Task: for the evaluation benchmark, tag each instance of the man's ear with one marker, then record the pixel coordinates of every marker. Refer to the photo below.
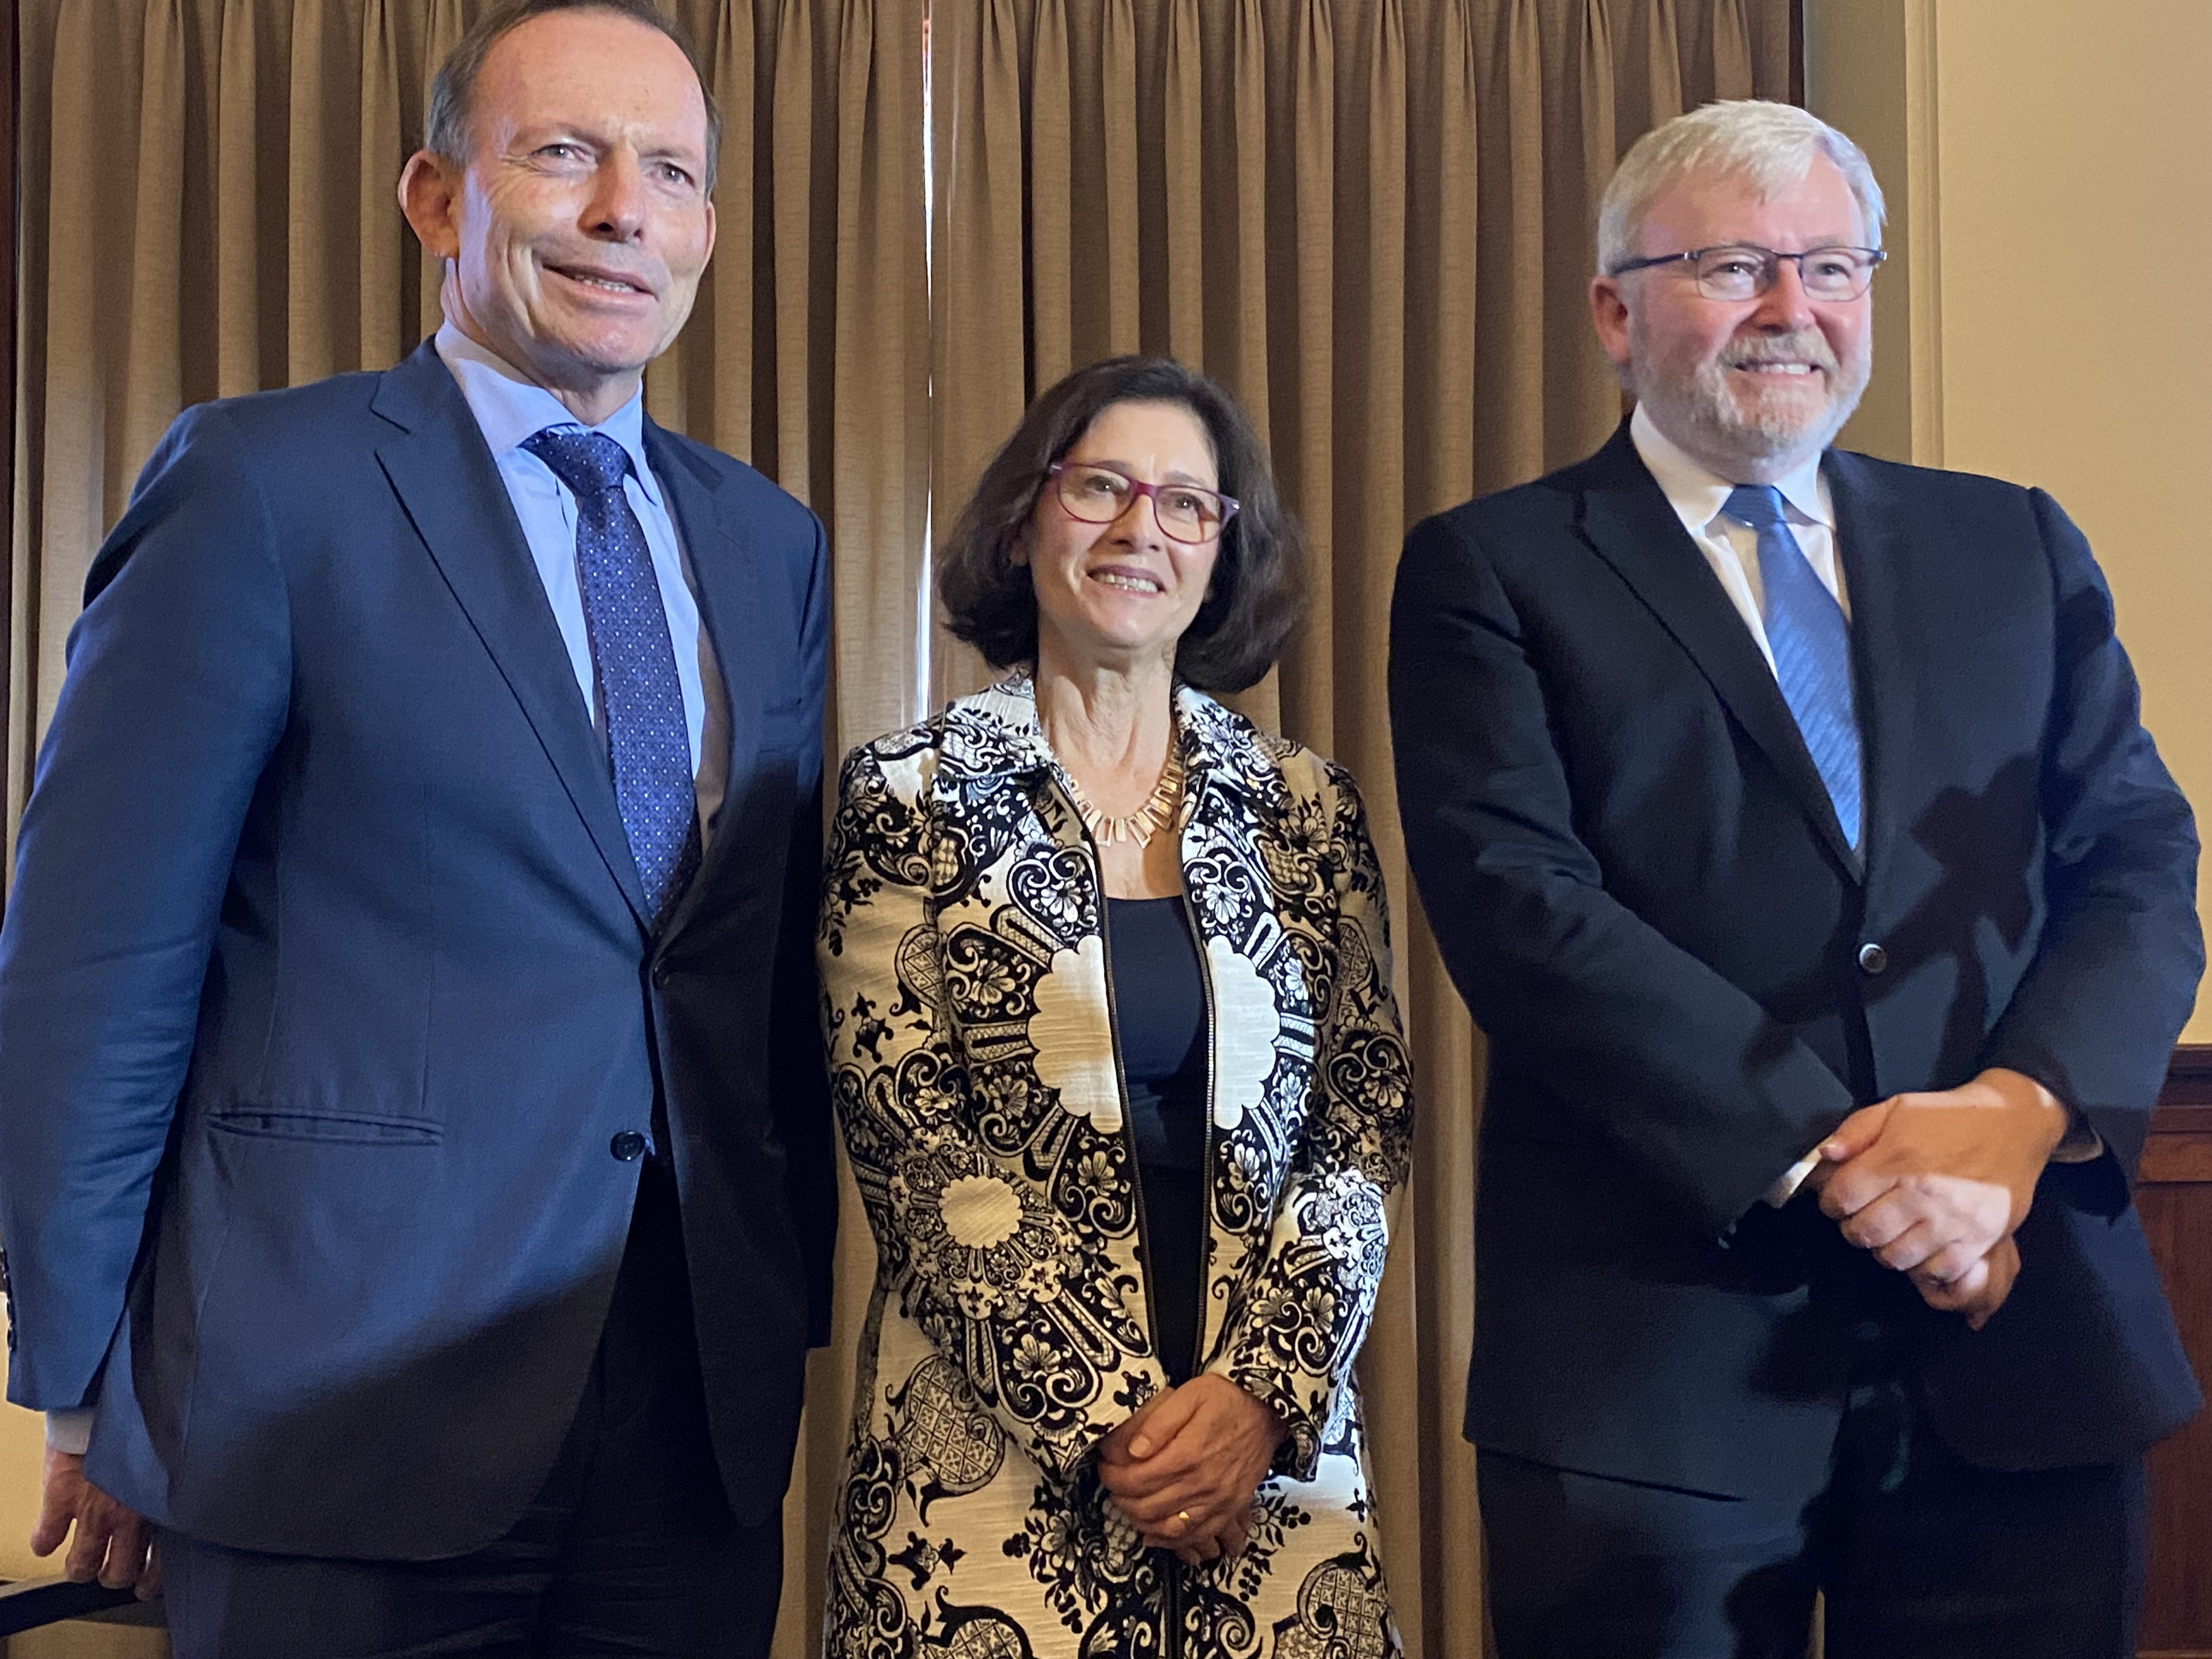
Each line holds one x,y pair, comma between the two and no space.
429,195
1609,317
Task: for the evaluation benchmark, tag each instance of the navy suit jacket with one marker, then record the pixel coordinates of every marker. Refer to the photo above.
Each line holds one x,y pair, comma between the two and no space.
1640,888
327,984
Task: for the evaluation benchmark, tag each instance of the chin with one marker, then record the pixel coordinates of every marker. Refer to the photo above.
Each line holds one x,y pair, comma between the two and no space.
592,343
1765,428
1776,431
612,357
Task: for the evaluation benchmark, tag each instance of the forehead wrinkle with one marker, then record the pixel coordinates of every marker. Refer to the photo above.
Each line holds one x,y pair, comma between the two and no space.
505,86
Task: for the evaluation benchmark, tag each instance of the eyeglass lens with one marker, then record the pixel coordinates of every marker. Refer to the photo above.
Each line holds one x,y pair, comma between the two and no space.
1744,273
1098,494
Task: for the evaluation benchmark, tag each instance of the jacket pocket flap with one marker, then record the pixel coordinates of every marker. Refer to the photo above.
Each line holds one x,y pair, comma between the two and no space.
321,1126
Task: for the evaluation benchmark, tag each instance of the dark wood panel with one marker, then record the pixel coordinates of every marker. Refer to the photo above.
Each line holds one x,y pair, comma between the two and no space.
2174,1193
2176,1155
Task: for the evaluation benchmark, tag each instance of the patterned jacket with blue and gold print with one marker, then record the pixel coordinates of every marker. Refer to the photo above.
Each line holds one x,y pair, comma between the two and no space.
973,1056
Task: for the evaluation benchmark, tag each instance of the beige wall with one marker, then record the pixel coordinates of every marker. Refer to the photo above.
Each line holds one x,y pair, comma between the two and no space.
2050,167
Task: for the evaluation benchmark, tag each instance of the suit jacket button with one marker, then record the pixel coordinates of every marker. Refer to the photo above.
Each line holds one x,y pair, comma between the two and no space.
628,1145
660,974
1873,959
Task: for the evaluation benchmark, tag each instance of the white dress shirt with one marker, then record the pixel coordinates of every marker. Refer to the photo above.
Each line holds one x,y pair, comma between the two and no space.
1730,548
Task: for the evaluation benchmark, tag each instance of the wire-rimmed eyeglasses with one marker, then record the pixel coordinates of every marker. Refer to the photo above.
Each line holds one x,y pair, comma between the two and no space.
1097,494
1743,271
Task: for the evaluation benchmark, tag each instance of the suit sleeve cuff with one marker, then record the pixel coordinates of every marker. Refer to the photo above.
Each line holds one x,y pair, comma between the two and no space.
71,1431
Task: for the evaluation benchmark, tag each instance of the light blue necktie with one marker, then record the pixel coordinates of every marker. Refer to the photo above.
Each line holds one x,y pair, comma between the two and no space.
1811,647
647,741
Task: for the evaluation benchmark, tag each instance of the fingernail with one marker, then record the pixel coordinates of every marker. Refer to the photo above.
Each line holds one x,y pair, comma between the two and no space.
1140,1446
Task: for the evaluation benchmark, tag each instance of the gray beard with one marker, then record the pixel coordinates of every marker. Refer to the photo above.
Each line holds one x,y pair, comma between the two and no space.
1706,419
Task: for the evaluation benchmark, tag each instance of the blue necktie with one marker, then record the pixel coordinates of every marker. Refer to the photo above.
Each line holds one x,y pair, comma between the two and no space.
647,739
1811,647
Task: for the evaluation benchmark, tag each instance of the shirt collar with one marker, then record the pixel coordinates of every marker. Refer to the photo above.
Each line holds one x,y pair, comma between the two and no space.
510,409
1697,493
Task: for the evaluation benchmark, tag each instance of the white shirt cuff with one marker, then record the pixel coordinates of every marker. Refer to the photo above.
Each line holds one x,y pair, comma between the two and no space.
71,1431
2080,1143
1792,1178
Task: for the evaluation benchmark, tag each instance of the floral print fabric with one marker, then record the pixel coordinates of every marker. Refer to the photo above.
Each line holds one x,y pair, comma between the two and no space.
968,1016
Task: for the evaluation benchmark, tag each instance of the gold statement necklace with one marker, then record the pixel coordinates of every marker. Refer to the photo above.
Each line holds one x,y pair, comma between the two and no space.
1141,825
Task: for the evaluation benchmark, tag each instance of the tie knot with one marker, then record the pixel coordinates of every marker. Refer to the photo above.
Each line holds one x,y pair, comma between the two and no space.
1759,505
589,463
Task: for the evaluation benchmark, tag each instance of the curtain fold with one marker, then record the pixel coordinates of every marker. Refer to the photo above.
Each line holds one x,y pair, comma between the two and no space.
1371,219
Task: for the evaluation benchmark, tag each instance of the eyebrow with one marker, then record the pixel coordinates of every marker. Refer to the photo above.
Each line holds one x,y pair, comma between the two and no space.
1175,476
529,138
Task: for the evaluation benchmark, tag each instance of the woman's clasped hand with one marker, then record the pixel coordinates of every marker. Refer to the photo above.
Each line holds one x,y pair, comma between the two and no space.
1184,1467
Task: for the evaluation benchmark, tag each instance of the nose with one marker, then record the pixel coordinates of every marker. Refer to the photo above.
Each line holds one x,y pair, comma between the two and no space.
1139,521
1786,307
616,211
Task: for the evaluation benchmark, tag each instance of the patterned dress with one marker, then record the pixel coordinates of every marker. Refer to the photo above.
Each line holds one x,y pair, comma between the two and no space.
968,1016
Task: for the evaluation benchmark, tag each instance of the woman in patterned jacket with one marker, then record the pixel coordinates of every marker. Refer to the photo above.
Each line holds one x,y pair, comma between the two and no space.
1107,993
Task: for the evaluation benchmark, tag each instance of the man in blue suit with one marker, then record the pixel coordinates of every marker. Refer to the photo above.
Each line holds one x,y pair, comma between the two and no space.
414,1158
1785,818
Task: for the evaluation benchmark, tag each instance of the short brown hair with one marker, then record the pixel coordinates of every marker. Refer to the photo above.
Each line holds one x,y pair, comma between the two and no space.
1258,592
446,126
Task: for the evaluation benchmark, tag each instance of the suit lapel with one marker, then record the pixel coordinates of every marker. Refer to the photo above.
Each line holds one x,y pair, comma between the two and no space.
732,611
1870,542
1627,518
446,478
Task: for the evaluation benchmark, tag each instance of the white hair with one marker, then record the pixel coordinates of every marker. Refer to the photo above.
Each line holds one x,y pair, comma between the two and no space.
1769,146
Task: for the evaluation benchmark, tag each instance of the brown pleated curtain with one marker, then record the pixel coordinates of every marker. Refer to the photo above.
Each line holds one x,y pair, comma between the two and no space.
1372,220
1370,217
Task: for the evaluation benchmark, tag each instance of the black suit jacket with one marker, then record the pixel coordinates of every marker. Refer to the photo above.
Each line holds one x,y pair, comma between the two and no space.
1641,890
328,989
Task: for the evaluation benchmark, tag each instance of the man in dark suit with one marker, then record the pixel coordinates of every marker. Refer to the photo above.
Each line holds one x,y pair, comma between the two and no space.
1785,817
414,1153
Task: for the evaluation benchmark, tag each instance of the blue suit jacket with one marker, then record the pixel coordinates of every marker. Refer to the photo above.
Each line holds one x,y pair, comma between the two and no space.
327,983
1635,877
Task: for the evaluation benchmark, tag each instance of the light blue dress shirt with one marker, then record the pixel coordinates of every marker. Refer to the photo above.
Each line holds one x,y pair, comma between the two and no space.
510,409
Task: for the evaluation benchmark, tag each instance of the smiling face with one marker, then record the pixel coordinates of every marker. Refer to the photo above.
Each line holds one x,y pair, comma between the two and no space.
1120,595
1751,388
575,234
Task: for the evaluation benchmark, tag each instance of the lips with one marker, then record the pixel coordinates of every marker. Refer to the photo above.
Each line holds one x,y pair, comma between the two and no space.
600,280
1796,356
1127,580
